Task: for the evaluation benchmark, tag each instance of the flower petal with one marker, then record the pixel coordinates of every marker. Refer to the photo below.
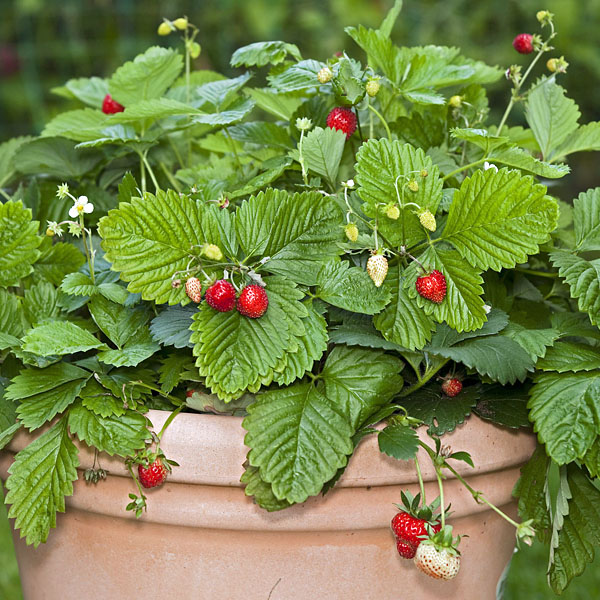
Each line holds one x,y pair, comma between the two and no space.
73,212
88,208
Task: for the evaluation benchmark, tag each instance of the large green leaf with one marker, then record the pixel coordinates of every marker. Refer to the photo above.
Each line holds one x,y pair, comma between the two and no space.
40,478
504,405
551,115
59,338
89,90
139,347
564,409
381,165
570,356
515,157
350,288
583,277
8,150
299,76
40,303
399,441
262,133
260,490
171,327
278,104
584,139
148,76
149,239
322,151
122,435
579,533
498,218
43,393
58,260
587,220
534,341
11,314
358,330
360,381
403,322
298,440
81,125
18,243
260,54
116,321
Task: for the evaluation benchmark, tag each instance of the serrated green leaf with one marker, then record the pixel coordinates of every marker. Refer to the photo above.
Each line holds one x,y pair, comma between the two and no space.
441,413
579,533
419,131
155,109
260,54
390,18
402,321
570,356
564,409
350,288
80,125
139,347
504,405
297,439
322,151
534,341
89,90
40,478
114,292
235,112
58,260
172,326
360,381
278,104
591,460
381,165
515,157
551,115
399,441
44,393
7,434
586,138
260,490
587,220
583,277
121,435
148,76
262,133
170,371
11,314
58,338
78,284
480,137
100,400
8,150
40,303
18,243
299,76
575,324
360,331
116,321
498,218
263,179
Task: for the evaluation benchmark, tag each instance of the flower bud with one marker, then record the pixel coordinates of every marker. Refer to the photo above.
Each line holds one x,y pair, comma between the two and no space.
455,101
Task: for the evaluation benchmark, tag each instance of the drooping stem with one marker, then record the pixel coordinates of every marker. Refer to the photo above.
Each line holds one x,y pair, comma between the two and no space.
147,164
383,121
301,157
172,399
358,123
438,474
87,249
170,420
465,167
420,478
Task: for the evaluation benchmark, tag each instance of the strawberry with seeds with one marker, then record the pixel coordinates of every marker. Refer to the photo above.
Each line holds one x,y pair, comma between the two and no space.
432,286
253,301
342,119
221,296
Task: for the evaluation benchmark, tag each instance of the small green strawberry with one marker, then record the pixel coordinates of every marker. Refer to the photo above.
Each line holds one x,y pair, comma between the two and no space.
393,212
324,75
427,220
351,231
372,87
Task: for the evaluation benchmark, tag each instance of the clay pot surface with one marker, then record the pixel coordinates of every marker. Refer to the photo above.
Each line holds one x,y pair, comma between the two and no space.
202,538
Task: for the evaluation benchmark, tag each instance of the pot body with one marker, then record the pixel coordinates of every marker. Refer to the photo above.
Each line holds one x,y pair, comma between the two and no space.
202,538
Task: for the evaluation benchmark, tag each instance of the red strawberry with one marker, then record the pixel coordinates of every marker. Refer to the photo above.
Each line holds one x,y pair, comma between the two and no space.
253,301
452,387
110,106
193,288
153,475
221,296
523,43
409,530
343,119
432,286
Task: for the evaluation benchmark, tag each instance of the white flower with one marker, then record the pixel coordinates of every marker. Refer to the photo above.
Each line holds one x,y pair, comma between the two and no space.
487,308
81,205
487,165
349,184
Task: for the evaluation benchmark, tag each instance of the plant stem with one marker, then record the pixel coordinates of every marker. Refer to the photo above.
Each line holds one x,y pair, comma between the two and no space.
465,167
5,194
438,474
420,478
387,128
537,273
170,420
421,382
304,172
174,400
233,148
147,164
187,94
87,250
170,177
358,123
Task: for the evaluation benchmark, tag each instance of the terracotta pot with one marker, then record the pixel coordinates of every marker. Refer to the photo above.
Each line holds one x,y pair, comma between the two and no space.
202,538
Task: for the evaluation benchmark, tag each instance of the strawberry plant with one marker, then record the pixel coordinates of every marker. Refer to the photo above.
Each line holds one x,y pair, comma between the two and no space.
313,252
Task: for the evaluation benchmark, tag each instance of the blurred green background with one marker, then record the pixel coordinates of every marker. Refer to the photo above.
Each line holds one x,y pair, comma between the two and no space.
43,43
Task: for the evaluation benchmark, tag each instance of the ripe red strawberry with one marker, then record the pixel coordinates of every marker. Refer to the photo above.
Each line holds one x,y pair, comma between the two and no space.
153,475
452,387
437,562
523,43
343,119
221,296
110,106
432,286
193,289
253,301
410,531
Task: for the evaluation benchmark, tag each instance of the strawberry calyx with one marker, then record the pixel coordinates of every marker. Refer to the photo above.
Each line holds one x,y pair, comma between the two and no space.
412,505
444,540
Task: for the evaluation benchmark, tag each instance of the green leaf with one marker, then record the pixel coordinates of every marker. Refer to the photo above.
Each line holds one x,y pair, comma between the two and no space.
58,338
579,533
172,326
360,381
121,435
278,104
58,260
80,125
171,369
322,151
40,303
263,179
164,225
551,115
358,330
587,220
388,23
100,400
498,218
504,405
299,76
350,288
219,94
7,154
564,409
441,413
586,138
402,321
7,434
155,109
463,307
570,356
421,132
148,76
512,156
114,292
89,90
399,441
40,478
117,322
262,133
44,393
235,112
57,157
531,492
138,348
534,341
262,491
78,284
591,460
583,277
379,165
260,54
297,439
11,315
480,137
18,243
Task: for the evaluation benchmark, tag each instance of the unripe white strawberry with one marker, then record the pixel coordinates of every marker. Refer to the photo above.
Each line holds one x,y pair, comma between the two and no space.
393,212
377,268
351,231
437,562
372,87
212,251
181,23
428,220
324,75
193,288
413,186
164,28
